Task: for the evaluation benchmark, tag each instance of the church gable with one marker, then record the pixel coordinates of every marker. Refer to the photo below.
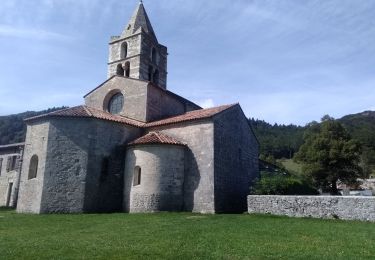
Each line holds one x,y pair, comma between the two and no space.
137,99
131,98
163,104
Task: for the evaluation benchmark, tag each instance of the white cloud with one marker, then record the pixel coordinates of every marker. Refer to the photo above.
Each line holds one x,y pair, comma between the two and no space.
206,103
30,33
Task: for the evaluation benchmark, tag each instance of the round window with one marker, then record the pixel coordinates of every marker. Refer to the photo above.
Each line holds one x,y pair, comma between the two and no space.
116,103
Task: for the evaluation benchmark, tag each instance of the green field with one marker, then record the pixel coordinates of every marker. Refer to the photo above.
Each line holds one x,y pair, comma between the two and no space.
181,236
291,166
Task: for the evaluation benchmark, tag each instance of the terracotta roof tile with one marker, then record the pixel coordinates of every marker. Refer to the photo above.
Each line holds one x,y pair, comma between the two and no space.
88,112
156,138
190,116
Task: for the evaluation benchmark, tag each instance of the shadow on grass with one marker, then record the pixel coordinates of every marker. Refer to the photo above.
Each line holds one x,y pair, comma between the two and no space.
6,209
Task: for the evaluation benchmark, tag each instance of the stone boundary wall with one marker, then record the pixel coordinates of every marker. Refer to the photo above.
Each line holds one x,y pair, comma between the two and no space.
339,207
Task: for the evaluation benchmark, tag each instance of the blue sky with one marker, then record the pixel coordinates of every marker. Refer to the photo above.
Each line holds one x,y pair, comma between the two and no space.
284,61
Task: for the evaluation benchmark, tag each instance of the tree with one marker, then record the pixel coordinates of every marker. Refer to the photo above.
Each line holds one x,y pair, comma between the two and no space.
329,154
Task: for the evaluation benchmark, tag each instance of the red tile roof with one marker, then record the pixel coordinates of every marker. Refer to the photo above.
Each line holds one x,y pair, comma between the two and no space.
156,138
88,112
190,116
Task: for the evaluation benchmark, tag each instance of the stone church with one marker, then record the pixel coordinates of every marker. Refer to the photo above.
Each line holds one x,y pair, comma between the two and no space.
135,146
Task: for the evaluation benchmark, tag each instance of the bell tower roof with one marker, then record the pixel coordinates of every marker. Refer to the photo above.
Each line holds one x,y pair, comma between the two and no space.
139,21
137,53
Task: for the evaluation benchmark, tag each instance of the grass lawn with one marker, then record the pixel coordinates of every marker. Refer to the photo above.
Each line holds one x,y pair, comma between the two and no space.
291,166
181,236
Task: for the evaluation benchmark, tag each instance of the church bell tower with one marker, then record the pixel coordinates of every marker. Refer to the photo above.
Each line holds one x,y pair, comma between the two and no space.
136,53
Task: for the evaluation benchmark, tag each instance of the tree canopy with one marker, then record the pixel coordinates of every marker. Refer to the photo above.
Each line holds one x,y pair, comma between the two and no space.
330,154
283,141
278,141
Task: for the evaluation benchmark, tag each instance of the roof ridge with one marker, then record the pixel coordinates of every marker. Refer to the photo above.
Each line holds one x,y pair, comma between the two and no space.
155,137
47,114
87,110
191,115
83,111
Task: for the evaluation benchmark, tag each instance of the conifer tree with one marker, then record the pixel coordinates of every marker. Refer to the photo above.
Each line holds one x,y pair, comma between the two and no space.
329,154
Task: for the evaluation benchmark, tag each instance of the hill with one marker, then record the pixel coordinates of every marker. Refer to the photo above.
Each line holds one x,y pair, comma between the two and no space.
12,127
362,127
282,141
279,141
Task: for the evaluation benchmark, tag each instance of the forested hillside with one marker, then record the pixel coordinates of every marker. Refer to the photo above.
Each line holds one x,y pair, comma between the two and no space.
279,141
13,129
362,128
282,141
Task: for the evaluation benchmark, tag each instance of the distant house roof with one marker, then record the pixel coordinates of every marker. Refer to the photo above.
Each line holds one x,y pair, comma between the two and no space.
12,145
156,138
191,116
88,112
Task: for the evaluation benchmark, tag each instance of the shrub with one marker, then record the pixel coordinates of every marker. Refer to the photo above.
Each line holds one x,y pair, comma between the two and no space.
270,184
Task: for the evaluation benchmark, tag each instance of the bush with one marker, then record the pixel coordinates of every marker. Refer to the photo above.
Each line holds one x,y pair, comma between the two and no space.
270,184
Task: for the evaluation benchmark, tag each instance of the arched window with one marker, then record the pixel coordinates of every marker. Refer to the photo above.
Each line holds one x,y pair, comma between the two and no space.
153,55
120,70
156,77
116,103
150,73
127,69
124,50
33,168
137,176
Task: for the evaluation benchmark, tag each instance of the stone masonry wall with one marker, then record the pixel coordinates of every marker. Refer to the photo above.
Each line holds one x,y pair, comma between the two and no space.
236,160
75,180
139,55
341,207
30,192
135,97
161,105
132,55
142,102
199,163
161,60
162,178
9,180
